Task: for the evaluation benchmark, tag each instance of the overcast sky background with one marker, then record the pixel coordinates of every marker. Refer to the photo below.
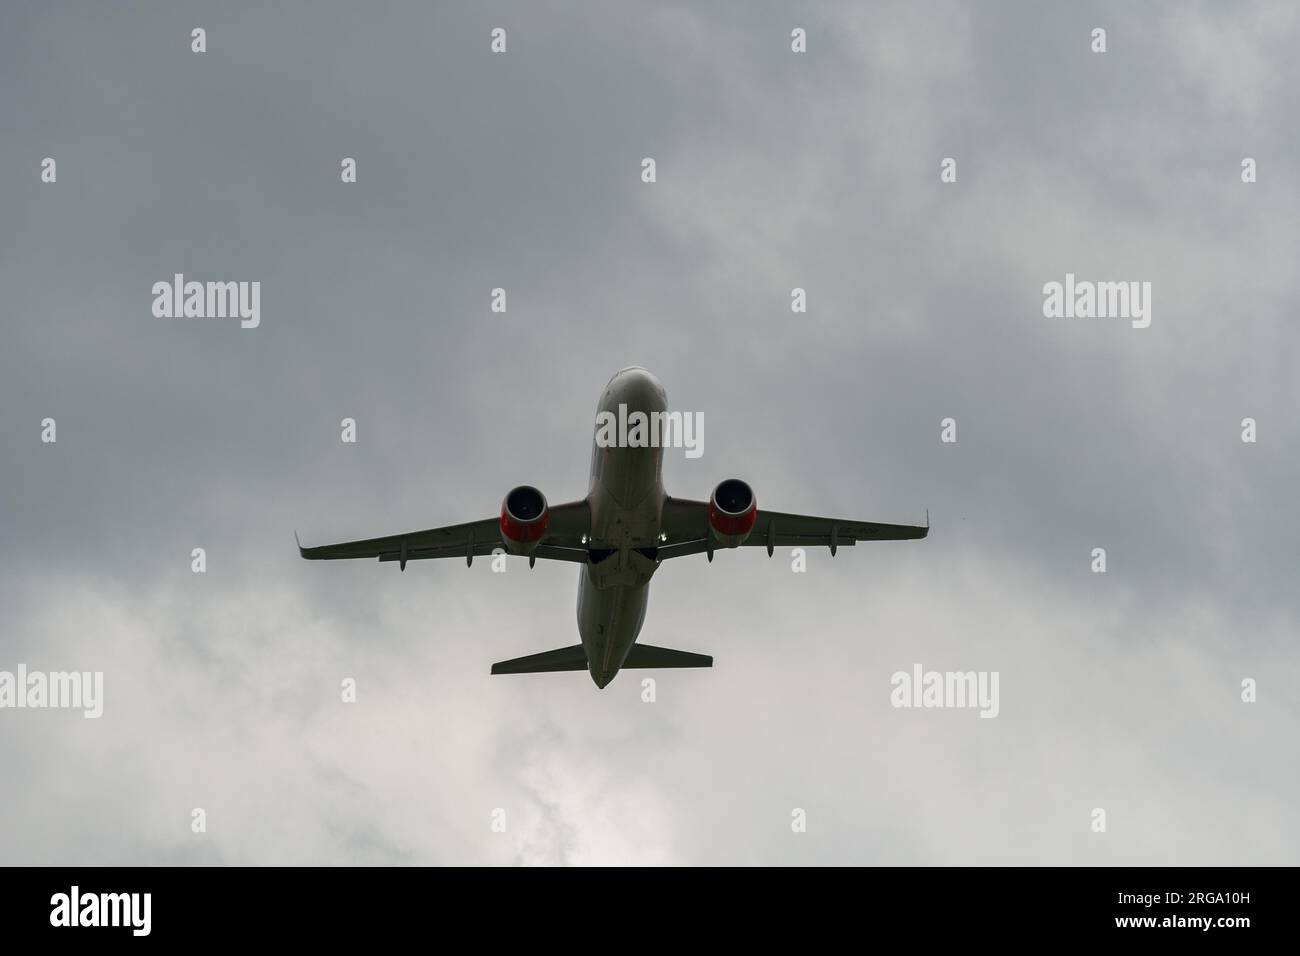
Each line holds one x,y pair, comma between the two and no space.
775,170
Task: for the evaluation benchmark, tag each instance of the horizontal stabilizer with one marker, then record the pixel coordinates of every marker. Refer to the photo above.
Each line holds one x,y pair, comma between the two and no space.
645,655
561,659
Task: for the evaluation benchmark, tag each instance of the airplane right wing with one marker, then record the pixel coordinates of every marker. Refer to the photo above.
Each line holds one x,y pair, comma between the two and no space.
567,525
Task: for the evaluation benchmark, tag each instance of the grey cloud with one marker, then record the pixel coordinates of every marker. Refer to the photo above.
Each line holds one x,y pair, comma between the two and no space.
775,171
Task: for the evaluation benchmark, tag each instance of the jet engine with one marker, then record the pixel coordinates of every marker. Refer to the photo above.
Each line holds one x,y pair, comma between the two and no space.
732,513
524,517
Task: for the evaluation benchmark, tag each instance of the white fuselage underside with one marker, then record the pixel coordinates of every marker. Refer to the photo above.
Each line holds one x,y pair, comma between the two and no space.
626,498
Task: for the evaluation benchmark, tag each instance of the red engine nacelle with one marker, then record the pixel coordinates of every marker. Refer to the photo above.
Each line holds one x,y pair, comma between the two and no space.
524,517
732,512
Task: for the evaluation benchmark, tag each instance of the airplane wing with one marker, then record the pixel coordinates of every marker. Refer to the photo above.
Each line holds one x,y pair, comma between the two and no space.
687,525
567,526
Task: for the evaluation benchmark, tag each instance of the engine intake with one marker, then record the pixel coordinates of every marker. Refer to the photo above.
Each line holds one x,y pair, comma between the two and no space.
732,513
524,517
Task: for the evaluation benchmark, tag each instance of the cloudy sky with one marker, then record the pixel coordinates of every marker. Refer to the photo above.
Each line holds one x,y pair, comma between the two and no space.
776,170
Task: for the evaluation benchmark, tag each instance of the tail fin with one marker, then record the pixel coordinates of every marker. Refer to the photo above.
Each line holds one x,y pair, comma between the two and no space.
575,659
646,655
561,659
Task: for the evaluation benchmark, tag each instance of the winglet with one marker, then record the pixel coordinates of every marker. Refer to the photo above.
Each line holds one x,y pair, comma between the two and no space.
301,552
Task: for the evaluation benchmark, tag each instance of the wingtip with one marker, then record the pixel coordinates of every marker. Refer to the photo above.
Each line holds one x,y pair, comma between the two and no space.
301,552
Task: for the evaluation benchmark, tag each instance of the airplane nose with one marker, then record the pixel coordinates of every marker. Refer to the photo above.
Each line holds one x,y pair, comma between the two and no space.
646,396
602,677
641,390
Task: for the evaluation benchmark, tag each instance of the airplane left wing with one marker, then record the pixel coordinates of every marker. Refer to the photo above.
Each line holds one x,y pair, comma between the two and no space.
789,530
567,526
687,526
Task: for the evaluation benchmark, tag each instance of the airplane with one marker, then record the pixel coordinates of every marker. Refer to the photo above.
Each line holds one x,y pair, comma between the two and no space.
620,533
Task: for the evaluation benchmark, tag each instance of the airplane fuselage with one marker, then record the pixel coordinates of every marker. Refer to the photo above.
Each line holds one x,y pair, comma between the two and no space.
626,497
